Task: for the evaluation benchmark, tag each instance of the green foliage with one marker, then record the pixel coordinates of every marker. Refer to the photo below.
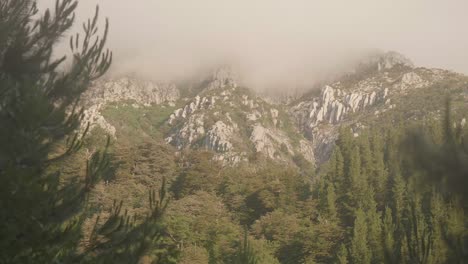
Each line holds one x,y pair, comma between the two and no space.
40,220
46,194
201,219
194,255
199,173
342,255
367,206
370,202
246,254
121,239
138,124
388,232
378,181
359,249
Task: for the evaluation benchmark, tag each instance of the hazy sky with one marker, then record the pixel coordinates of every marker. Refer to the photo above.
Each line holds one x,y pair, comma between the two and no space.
272,41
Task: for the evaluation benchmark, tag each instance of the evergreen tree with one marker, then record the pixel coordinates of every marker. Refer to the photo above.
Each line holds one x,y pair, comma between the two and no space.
43,210
359,249
436,216
335,170
374,237
199,172
359,189
342,255
442,158
367,164
122,239
388,232
339,169
398,196
419,235
331,201
379,175
38,116
455,233
246,254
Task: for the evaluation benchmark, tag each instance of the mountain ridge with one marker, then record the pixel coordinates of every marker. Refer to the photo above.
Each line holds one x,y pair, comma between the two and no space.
219,115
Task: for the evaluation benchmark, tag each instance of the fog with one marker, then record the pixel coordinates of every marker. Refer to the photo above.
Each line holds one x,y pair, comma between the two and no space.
278,43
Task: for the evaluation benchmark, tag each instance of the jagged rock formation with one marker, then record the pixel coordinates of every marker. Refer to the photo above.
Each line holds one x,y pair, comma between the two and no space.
234,123
218,115
334,104
140,93
361,95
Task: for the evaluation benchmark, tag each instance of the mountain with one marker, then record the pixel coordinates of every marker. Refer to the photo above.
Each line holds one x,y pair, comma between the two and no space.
272,166
219,115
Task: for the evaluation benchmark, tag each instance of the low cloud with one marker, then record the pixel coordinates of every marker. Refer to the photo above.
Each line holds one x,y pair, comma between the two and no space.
278,43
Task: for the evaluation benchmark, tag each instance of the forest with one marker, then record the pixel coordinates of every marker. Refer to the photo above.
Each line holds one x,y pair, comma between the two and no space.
395,193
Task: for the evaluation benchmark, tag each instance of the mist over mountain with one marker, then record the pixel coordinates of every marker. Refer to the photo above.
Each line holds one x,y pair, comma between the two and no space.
280,44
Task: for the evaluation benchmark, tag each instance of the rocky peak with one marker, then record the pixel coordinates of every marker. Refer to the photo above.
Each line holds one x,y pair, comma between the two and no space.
334,104
380,62
140,91
391,59
218,115
363,95
222,77
234,123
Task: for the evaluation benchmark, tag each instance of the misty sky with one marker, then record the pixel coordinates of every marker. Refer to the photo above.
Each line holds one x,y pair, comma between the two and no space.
274,41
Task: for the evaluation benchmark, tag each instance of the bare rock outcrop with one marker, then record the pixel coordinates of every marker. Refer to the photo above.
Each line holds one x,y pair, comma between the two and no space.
144,93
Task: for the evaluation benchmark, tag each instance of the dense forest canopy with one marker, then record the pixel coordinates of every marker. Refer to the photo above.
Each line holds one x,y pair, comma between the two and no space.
392,193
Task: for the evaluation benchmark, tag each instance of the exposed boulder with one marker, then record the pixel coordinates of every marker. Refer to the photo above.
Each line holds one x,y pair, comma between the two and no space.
269,141
218,137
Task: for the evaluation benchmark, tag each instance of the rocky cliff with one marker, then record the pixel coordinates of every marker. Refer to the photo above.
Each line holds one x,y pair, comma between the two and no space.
236,124
386,84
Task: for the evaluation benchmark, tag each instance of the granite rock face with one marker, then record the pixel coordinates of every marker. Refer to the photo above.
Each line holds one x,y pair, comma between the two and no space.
373,93
236,124
334,104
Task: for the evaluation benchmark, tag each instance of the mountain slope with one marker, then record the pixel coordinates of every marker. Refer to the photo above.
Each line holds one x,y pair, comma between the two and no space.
386,90
217,114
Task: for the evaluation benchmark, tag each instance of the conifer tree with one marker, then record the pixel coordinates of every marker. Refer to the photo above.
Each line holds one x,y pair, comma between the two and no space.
419,235
397,201
359,189
345,142
342,255
121,239
442,158
359,249
335,171
367,165
42,211
246,254
379,176
398,190
454,232
38,119
339,169
388,233
374,236
331,201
